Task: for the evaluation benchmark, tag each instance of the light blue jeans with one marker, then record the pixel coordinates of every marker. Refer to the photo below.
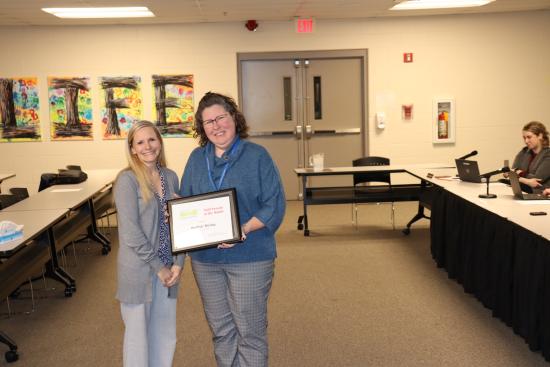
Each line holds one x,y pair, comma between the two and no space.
234,297
150,330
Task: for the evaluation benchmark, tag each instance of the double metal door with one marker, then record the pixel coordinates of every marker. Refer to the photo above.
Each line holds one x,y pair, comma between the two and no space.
299,106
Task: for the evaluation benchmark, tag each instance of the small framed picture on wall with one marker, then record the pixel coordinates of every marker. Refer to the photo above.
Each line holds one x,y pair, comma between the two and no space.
444,126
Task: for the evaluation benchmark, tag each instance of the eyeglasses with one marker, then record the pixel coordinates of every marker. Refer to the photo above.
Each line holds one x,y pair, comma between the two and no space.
217,120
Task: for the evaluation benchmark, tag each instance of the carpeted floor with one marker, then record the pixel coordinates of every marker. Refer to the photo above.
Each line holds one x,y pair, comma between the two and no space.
342,297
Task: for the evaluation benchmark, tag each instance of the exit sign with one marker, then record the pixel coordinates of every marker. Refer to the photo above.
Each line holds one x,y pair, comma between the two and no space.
304,25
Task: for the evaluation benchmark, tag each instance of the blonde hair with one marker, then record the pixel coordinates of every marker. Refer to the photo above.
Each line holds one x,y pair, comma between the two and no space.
136,165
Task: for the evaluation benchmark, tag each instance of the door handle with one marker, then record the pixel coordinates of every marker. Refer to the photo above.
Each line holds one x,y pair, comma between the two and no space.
298,132
338,131
270,133
325,132
309,131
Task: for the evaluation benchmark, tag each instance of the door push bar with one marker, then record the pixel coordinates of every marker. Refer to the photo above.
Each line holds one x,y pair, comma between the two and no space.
309,132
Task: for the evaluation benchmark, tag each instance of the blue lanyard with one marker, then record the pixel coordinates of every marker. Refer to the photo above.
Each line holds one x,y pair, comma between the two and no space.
225,168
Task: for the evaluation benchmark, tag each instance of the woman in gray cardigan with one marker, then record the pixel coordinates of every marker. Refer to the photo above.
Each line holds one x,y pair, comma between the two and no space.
532,163
148,274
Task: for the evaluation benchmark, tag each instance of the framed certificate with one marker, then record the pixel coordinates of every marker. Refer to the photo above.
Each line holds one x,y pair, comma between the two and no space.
204,220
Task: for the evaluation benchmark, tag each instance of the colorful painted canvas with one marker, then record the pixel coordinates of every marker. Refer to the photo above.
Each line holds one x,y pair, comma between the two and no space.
121,105
19,110
70,104
173,105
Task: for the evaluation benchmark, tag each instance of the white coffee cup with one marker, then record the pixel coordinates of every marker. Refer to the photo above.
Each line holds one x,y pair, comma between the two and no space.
317,161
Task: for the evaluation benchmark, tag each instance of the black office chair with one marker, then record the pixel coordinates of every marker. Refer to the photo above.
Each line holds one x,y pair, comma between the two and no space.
47,180
7,200
363,183
11,355
20,192
71,175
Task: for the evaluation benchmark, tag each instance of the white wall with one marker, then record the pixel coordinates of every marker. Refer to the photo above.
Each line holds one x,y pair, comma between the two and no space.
495,66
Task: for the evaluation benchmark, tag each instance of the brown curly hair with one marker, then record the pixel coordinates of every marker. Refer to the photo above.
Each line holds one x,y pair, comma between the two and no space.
229,105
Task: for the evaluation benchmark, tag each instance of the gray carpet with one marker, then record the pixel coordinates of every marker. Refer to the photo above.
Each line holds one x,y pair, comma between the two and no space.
342,297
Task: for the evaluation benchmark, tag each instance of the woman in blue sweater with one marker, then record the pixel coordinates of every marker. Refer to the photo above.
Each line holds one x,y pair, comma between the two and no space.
235,279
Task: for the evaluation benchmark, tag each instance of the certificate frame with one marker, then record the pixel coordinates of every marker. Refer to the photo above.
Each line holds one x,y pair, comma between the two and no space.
204,220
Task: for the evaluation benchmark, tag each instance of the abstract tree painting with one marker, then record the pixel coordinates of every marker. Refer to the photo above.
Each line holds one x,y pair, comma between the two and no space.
70,105
173,105
19,110
121,106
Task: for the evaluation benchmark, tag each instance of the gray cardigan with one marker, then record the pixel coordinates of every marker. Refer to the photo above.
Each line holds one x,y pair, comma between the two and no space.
138,233
540,167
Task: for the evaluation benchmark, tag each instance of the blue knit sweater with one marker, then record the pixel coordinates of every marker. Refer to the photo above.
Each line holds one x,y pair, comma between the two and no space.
260,193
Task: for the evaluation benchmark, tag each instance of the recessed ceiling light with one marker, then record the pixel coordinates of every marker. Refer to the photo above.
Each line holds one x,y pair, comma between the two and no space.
438,4
119,12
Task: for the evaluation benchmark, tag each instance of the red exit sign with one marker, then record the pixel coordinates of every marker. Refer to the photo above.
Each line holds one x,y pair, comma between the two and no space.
304,25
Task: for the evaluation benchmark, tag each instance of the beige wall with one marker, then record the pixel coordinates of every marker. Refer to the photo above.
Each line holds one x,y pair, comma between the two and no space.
496,67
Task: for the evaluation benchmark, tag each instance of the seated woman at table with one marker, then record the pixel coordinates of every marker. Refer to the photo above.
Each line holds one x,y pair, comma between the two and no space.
235,279
532,163
148,274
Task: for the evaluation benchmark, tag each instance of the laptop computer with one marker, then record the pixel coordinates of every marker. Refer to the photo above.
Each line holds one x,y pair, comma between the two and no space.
516,188
468,170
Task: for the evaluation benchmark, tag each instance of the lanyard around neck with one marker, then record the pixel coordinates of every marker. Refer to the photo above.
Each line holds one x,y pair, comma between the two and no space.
225,167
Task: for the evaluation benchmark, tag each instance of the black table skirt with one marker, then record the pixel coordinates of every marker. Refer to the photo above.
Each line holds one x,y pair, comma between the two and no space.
505,266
